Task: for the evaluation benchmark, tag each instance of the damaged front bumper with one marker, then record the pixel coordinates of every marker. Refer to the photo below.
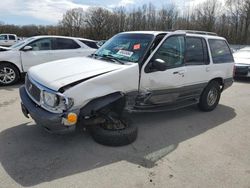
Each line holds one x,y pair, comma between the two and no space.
52,122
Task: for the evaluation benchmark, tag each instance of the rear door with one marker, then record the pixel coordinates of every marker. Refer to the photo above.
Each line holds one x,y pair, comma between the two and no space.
198,67
12,39
66,48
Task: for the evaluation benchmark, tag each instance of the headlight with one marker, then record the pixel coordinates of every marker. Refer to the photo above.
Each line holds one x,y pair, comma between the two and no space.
56,102
50,99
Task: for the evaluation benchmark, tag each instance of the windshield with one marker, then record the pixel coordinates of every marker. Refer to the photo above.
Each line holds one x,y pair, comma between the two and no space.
20,43
126,46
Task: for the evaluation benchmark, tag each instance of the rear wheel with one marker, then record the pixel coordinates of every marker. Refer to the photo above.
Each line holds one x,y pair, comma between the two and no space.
9,74
210,97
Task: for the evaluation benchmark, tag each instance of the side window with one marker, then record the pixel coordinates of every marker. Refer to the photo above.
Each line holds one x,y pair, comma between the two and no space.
65,44
12,37
90,44
171,52
220,51
196,51
41,44
3,37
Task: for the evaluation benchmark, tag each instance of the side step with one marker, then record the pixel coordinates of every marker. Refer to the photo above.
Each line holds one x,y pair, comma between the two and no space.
161,108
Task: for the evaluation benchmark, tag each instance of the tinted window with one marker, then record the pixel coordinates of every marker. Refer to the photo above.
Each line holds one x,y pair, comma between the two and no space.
171,51
220,51
90,44
3,37
41,44
12,37
64,44
196,51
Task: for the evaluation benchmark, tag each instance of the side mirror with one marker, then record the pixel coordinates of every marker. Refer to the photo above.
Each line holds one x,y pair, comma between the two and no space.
27,48
159,64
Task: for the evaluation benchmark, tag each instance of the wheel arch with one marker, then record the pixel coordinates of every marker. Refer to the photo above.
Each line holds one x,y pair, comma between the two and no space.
7,62
116,99
220,80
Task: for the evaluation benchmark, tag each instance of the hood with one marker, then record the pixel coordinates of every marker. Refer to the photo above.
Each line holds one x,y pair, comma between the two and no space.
57,74
2,48
242,57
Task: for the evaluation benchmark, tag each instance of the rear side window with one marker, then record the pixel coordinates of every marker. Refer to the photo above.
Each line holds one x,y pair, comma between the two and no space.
12,37
220,51
196,51
65,44
90,44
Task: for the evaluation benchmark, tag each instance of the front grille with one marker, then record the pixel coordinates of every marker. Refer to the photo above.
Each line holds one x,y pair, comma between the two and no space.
33,90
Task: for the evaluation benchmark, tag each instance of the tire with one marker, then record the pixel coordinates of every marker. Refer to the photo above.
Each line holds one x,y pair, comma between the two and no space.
114,137
210,97
9,74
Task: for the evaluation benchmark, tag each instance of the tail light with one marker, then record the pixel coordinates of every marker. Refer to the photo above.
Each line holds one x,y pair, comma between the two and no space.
234,71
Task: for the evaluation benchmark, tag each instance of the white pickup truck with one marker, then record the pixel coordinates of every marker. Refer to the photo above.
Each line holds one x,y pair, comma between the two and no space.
8,39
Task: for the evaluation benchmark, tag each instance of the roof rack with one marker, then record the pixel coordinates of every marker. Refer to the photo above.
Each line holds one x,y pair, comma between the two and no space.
198,32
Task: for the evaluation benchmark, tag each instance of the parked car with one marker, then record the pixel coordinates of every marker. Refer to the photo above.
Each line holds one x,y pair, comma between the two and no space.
17,59
242,62
8,39
133,72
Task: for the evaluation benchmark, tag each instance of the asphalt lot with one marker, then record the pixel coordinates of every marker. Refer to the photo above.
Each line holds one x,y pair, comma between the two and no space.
184,148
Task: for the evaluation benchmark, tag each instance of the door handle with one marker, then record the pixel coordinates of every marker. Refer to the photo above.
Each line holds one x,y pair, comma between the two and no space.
207,69
181,73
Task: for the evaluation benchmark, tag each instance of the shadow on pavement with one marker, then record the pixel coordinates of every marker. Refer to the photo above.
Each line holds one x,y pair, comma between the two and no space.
32,156
12,87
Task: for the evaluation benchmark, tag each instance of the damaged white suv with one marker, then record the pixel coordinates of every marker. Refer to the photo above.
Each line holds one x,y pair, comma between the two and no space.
134,72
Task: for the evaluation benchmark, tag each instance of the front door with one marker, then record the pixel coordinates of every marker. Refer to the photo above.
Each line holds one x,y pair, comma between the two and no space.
160,87
41,52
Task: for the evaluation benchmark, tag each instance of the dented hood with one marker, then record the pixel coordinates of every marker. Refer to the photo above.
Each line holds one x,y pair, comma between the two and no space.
57,74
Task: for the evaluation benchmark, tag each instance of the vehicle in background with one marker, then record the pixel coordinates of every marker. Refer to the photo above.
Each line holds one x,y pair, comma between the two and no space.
8,39
89,43
36,50
242,62
100,43
140,71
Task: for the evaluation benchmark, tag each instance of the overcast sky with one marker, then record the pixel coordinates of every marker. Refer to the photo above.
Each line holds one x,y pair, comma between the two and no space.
50,11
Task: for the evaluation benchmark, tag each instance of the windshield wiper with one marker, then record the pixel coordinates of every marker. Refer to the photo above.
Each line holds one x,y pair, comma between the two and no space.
113,58
108,57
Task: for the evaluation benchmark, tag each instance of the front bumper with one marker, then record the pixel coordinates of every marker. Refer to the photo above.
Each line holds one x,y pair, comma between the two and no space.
52,122
242,70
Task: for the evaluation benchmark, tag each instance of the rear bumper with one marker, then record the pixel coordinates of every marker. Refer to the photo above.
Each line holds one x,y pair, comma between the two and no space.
50,121
242,70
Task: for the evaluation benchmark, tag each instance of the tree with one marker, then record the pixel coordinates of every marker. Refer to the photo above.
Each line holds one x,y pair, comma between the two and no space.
72,22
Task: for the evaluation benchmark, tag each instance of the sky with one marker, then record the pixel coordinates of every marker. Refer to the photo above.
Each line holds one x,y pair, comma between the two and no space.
46,12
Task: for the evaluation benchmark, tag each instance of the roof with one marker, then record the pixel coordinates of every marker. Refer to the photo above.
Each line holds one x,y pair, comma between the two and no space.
147,32
208,35
56,36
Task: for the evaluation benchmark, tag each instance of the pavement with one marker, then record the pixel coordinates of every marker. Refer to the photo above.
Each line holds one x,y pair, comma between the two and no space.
183,148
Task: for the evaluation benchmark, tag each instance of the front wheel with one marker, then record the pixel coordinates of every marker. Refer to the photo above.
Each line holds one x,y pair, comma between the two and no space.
114,133
9,74
210,97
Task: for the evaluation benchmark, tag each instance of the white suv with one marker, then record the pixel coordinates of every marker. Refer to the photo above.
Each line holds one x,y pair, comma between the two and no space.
134,72
36,50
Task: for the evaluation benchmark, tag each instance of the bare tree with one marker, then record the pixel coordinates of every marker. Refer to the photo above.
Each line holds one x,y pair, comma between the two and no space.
73,21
